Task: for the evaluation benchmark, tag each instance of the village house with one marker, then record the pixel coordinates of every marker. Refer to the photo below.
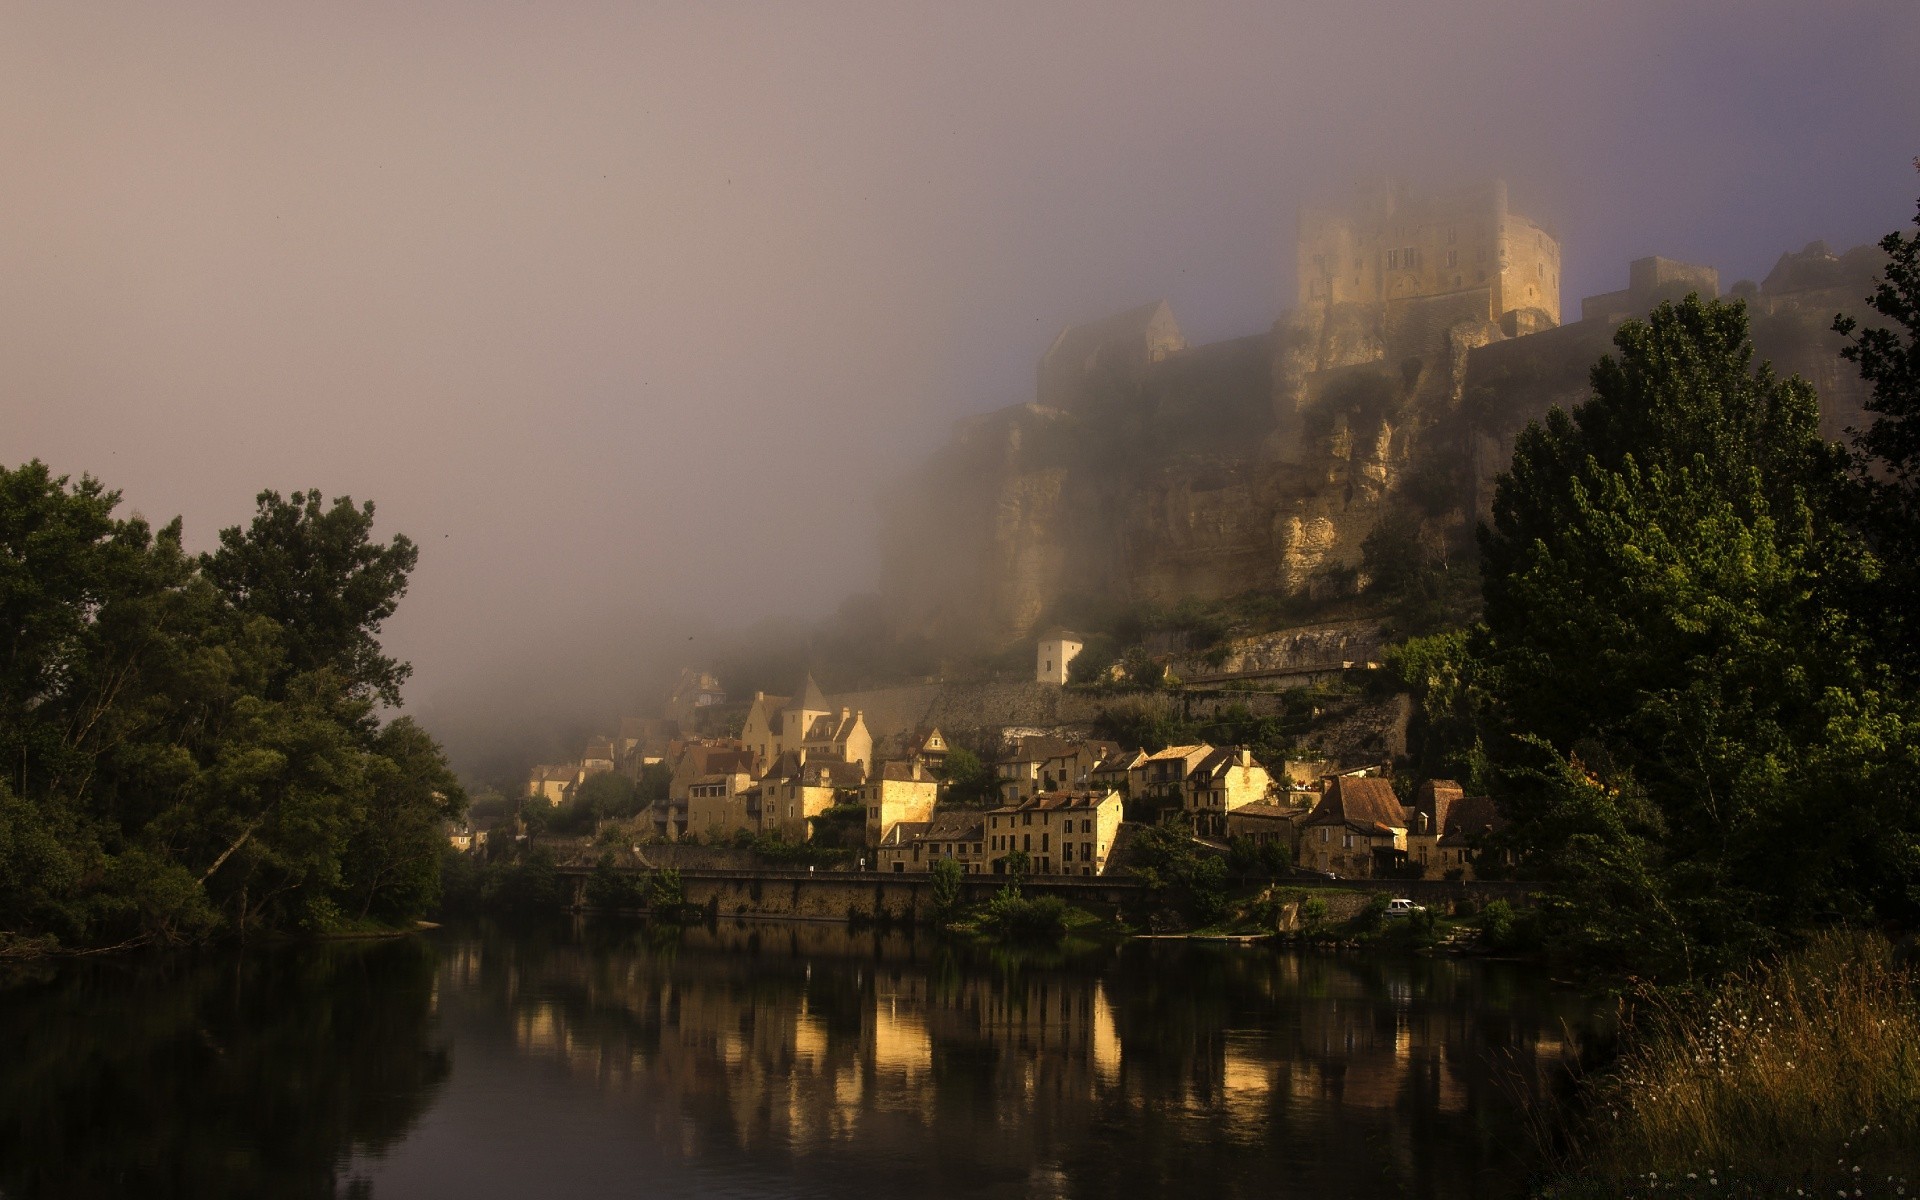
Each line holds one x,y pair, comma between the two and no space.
1221,782
843,736
553,782
916,846
1357,831
693,692
1469,824
717,804
1056,651
896,792
1427,818
1159,781
642,742
797,789
466,839
705,764
1114,772
1263,822
598,758
777,724
1048,764
927,744
1060,833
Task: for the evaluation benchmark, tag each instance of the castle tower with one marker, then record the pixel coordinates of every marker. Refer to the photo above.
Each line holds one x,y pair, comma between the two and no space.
1390,244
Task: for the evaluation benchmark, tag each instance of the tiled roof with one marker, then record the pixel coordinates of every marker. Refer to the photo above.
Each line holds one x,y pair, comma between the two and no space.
1363,802
1047,801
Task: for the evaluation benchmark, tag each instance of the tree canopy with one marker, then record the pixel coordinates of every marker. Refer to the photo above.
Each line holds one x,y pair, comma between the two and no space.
194,746
1688,715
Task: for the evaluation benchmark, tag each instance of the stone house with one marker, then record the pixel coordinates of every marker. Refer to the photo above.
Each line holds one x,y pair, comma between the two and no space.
553,782
896,792
777,724
841,735
1221,782
642,741
717,805
1357,831
1045,764
1159,781
796,789
1114,772
1061,833
598,758
1056,651
1263,821
1427,819
916,845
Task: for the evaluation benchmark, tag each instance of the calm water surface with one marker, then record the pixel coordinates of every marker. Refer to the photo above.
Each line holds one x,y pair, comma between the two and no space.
773,1060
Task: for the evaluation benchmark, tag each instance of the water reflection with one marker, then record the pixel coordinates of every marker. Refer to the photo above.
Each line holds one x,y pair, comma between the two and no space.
235,1076
796,1059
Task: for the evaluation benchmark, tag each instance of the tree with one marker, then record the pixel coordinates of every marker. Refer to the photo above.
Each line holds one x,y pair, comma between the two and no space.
947,875
319,576
1688,716
1888,358
193,745
969,781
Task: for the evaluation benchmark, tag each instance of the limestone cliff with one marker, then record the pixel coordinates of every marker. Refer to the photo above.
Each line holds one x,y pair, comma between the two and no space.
1264,462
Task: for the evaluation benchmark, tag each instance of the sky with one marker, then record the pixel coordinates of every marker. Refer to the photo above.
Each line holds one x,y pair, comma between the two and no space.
626,311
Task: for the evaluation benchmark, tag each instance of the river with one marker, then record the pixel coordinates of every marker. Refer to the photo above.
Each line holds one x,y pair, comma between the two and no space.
772,1060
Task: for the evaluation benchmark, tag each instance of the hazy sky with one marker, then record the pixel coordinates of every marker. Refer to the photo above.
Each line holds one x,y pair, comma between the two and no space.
621,310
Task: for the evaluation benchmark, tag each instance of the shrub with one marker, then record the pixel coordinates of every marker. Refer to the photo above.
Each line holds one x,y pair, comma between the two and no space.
1020,918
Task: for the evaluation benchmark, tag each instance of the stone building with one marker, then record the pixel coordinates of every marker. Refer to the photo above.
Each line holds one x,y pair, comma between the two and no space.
1055,653
1388,244
1061,833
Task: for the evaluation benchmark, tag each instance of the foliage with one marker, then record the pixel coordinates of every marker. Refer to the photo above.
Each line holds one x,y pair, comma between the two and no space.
611,888
1504,930
193,746
606,796
1802,1072
1888,357
1272,858
1024,918
1689,723
946,878
969,782
1184,886
842,827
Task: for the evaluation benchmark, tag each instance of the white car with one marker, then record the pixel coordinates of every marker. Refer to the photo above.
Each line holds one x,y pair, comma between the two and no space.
1404,908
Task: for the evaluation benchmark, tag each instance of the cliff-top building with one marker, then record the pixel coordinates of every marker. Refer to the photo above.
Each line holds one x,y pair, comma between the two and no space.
1390,244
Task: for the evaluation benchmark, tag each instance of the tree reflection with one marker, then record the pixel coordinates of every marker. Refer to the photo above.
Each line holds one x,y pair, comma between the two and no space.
253,1075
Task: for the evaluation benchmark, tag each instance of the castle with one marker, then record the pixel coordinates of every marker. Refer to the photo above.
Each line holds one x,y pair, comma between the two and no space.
1427,332
1391,246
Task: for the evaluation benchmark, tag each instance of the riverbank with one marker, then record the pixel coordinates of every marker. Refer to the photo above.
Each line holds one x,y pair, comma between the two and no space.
1796,1076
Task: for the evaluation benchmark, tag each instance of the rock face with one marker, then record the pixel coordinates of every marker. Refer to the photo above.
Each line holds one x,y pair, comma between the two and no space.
1264,462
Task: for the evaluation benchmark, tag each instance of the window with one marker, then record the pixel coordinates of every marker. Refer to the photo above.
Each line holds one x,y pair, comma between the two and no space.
1346,841
1066,852
1043,843
1453,235
1453,258
1026,838
1393,260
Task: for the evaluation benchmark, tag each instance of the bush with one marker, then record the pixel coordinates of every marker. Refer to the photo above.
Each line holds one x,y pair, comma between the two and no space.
610,888
1020,918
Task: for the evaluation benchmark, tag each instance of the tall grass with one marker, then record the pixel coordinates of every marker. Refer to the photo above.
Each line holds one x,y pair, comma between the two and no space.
1801,1073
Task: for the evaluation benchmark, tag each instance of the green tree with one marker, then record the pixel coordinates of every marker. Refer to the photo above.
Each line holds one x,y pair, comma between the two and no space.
179,758
316,572
1888,357
968,781
946,876
1690,714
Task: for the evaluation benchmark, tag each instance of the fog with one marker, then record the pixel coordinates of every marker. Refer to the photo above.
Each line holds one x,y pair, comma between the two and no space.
625,312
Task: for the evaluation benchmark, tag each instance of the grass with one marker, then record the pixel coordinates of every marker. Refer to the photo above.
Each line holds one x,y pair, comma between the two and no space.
1797,1076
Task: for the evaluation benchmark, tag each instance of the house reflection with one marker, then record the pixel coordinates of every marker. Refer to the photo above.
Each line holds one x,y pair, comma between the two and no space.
804,1042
